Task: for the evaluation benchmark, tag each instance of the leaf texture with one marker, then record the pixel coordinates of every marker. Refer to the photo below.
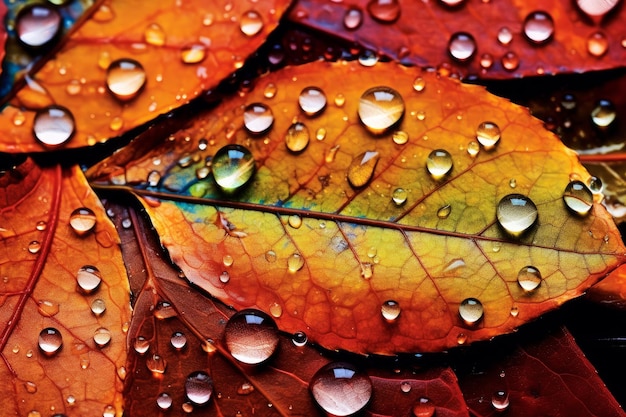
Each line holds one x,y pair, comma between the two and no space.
348,250
41,260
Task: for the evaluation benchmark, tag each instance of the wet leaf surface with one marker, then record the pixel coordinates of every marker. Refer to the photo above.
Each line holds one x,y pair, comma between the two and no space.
326,244
169,53
498,39
61,352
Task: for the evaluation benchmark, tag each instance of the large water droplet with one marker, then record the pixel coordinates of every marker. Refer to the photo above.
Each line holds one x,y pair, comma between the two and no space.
500,400
578,198
353,18
390,310
380,108
102,337
516,213
82,220
462,46
488,134
423,408
50,341
164,401
233,167
125,78
595,9
295,262
251,336
154,35
88,278
297,137
539,27
597,44
529,278
439,163
53,125
38,25
340,389
257,118
251,23
193,53
199,387
603,114
384,11
362,168
471,311
312,100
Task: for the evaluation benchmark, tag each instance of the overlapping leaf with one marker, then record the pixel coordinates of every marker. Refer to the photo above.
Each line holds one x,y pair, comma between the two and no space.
40,263
324,256
184,48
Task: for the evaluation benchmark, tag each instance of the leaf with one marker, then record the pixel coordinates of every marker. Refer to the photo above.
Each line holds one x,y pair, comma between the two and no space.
182,49
421,33
324,255
41,259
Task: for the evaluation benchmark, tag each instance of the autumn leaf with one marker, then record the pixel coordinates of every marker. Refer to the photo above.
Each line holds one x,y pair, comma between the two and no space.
479,39
122,68
375,194
64,296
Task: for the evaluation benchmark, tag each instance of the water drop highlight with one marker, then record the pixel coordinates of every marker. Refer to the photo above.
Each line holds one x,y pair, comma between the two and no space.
471,311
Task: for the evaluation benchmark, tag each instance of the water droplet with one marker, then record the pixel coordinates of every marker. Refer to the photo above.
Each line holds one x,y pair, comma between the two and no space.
368,58
38,25
270,256
399,196
505,36
362,168
444,211
199,387
340,100
88,278
390,310
102,337
53,125
603,114
224,277
340,389
597,44
486,61
154,35
178,340
141,345
419,84
245,389
400,137
156,364
104,13
500,400
193,53
164,401
405,386
270,90
295,221
31,387
297,137
47,308
320,134
423,408
380,108
82,220
127,223
276,310
251,23
164,310
473,148
514,311
98,307
295,262
73,87
50,341
539,27
299,339
462,46
510,61
595,185
516,213
578,198
471,311
34,246
596,8
251,336
233,167
353,18
125,78
257,118
488,134
384,11
312,101
367,270
439,163
512,183
19,118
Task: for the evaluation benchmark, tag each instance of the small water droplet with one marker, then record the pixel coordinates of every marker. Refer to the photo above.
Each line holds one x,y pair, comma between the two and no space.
251,336
178,340
53,125
514,311
245,389
299,339
400,137
127,223
500,400
362,168
224,277
368,58
320,134
73,87
595,185
390,310
154,35
199,387
340,389
156,364
384,11
380,108
47,308
353,18
516,213
367,270
512,183
227,260
82,220
251,23
439,163
603,114
444,211
510,61
399,196
471,311
270,90
102,337
125,78
332,152
486,61
312,100
257,118
270,256
578,198
276,310
462,46
473,148
34,246
164,401
505,36
405,386
295,262
164,310
297,137
423,408
31,387
38,25
295,221
50,341
597,44
41,225
452,3
88,279
419,84
233,167
98,307
19,118
529,278
193,53
539,27
488,134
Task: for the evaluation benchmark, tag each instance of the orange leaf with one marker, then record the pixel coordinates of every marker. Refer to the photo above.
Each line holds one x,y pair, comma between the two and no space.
53,276
170,54
326,237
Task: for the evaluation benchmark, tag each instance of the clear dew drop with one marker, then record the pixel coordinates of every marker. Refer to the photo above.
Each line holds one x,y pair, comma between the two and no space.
88,279
224,277
270,256
423,408
471,311
500,400
595,185
156,364
53,125
276,310
178,340
444,211
125,78
228,260
141,345
439,163
38,25
233,167
98,307
362,168
312,100
578,198
384,11
452,3
505,36
488,134
486,61
400,137
596,9
510,61
405,386
270,90
340,100
462,46
529,278
50,341
154,35
473,148
30,387
516,214
380,108
367,270
251,336
299,339
257,118
320,134
164,401
199,387
47,308
514,311
419,84
538,27
294,221
187,407
390,310
82,220
368,58
245,389
164,310
193,53
512,183
297,137
295,262
603,114
399,196
597,44
251,23
340,389
102,337
353,18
